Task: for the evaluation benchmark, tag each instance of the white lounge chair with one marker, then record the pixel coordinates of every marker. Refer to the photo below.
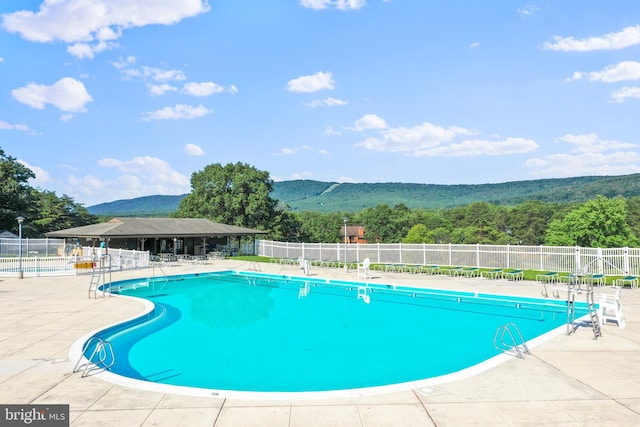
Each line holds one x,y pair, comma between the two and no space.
364,271
609,308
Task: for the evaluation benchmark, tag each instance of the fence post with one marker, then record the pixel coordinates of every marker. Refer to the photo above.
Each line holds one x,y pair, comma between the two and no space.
302,255
450,255
578,266
400,253
424,253
541,257
378,250
626,260
600,263
478,255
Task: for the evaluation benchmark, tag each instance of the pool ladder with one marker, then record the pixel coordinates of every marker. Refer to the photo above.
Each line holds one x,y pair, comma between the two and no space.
101,358
101,272
505,340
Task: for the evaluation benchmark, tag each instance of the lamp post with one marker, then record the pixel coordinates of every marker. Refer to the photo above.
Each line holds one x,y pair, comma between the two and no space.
20,220
346,266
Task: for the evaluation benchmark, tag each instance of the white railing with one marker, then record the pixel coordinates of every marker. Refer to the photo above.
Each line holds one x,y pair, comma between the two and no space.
36,266
33,247
608,261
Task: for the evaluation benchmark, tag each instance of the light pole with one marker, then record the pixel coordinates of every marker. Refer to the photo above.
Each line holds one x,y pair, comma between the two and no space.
20,220
346,266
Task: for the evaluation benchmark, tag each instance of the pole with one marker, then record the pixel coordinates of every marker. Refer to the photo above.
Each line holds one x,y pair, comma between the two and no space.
20,272
346,266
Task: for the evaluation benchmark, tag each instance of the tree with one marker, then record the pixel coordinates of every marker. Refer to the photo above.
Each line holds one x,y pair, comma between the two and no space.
419,233
601,222
48,212
14,191
234,194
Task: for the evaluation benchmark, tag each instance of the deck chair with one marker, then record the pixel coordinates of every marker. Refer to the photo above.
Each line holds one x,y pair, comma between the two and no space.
609,308
513,274
629,280
543,279
363,269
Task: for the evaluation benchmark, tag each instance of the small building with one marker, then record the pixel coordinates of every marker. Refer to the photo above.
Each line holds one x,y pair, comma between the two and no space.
354,234
6,234
189,236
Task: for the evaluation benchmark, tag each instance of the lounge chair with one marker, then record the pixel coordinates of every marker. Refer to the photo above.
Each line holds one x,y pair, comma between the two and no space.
470,272
492,274
513,274
544,279
429,269
609,308
452,271
363,269
629,280
595,279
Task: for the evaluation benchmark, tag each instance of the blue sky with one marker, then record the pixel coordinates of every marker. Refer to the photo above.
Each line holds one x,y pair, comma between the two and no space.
117,99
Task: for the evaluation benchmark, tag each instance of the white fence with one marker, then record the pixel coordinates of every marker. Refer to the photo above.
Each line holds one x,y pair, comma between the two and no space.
35,266
32,247
608,261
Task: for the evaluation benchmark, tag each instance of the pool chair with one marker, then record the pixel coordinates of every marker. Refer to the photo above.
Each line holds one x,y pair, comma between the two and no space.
513,274
470,272
544,279
363,269
595,280
492,274
452,271
629,280
609,308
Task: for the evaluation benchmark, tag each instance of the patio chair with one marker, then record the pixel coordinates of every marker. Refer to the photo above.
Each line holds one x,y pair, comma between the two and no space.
513,274
363,269
609,308
544,279
470,272
595,280
629,280
492,274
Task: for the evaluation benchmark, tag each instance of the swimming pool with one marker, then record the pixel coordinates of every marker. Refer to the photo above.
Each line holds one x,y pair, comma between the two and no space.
253,332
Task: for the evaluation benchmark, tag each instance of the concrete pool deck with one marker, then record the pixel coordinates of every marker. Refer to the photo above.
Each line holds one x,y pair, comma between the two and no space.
567,381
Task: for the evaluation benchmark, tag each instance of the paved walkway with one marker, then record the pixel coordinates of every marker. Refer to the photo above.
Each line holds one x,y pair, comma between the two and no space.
568,381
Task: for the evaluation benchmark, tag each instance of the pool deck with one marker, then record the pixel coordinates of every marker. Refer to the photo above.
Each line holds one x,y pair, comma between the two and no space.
567,381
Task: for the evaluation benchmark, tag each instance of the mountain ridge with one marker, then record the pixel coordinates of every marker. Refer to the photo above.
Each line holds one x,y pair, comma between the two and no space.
322,196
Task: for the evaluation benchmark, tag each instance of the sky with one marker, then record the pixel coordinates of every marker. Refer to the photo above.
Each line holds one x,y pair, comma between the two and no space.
116,99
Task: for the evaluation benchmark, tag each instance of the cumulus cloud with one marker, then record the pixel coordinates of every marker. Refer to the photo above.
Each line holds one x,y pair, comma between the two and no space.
42,176
588,155
206,89
180,111
193,150
137,177
629,36
66,94
90,26
528,10
333,4
20,127
312,83
479,147
161,89
625,93
474,45
331,131
327,102
622,71
287,151
369,121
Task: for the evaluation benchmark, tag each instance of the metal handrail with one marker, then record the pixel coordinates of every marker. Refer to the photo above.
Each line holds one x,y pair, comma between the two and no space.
506,329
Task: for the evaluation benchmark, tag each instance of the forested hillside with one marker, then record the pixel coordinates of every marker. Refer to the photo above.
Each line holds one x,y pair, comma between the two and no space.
317,196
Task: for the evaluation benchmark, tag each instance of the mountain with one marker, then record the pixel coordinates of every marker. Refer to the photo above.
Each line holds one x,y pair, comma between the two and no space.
307,195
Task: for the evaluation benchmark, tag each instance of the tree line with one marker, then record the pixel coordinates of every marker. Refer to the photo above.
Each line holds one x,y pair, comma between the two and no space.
239,194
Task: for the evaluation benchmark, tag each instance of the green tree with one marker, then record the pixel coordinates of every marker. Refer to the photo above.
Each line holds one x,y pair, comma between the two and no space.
601,222
48,212
235,194
419,233
14,191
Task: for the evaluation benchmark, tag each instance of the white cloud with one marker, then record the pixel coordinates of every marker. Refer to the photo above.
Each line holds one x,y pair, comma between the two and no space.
327,102
474,45
312,83
42,176
151,73
288,151
624,93
478,147
90,25
67,94
206,89
332,132
333,4
588,155
410,140
8,126
300,175
1,59
528,10
629,36
86,50
140,176
180,111
161,89
66,117
592,143
622,71
369,121
193,150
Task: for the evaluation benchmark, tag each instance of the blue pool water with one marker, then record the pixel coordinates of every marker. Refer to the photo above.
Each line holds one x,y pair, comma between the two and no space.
267,333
